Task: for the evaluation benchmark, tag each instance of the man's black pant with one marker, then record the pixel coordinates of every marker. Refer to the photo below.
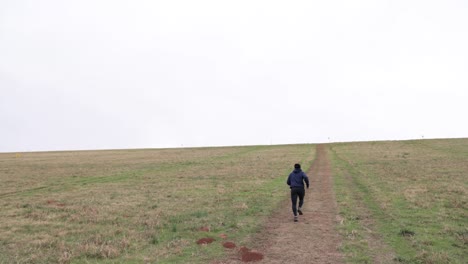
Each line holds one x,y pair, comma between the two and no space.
297,192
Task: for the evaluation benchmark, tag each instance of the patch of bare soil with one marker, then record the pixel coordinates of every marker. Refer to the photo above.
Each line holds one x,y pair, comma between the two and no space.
53,202
204,229
251,256
314,239
229,245
206,240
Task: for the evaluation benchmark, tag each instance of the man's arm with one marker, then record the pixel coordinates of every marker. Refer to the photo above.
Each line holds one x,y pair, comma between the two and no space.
289,180
306,179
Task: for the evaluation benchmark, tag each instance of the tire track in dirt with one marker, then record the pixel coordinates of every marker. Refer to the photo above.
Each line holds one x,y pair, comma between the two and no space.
314,239
379,251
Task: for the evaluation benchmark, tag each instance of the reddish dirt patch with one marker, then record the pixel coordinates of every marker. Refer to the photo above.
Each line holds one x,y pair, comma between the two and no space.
53,202
206,240
223,236
243,250
229,245
250,256
204,229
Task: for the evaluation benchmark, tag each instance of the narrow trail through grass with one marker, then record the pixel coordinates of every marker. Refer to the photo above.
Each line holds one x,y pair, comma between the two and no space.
314,239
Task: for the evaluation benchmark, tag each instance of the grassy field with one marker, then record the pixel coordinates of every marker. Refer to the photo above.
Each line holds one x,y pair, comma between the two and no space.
409,197
138,206
399,201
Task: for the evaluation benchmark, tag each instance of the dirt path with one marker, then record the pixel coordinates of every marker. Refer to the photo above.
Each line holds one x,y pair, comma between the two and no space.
314,238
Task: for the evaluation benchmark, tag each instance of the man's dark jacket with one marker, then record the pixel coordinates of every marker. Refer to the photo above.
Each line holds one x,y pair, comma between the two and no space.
297,178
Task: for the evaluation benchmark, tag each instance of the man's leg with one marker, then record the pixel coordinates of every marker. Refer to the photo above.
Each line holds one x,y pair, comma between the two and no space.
294,200
301,194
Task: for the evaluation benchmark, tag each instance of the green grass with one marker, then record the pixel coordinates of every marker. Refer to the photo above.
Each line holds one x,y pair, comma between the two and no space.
136,206
412,193
399,201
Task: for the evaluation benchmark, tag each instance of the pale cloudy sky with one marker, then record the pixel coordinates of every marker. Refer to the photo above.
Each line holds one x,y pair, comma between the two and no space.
100,74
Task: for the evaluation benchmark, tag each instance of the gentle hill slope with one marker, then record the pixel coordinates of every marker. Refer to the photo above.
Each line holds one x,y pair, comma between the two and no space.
398,201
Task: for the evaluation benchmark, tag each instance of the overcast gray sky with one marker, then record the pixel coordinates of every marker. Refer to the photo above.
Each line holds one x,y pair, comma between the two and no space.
95,74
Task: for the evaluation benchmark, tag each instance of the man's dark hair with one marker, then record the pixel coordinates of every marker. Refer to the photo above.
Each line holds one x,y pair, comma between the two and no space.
297,166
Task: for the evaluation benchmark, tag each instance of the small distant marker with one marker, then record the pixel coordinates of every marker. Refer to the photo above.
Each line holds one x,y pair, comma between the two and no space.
18,155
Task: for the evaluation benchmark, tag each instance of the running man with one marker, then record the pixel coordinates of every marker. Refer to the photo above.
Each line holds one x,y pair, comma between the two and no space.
296,182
